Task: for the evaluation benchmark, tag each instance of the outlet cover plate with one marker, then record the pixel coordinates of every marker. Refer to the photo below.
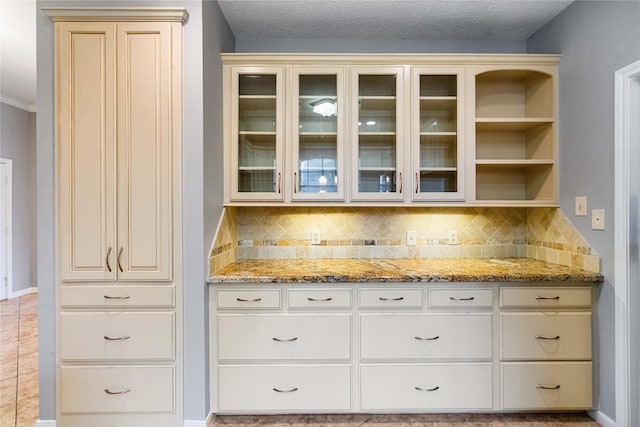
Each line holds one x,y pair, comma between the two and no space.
597,219
315,237
412,237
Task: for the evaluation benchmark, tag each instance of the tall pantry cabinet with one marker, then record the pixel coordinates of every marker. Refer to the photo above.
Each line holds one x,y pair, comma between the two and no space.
118,159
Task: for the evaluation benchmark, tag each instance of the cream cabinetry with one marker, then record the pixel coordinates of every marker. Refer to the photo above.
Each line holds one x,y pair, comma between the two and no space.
391,129
118,145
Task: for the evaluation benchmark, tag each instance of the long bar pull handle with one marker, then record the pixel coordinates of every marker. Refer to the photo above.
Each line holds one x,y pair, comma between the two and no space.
400,183
540,337
295,182
545,387
462,299
279,176
124,338
437,337
427,389
290,390
248,300
107,259
417,182
285,339
390,299
117,297
320,299
548,298
119,255
125,391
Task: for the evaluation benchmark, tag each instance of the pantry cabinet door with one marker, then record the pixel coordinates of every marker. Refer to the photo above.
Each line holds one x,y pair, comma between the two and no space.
85,138
145,179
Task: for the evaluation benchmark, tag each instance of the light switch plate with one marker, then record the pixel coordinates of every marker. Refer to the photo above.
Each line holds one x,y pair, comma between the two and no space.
581,206
315,237
597,219
453,237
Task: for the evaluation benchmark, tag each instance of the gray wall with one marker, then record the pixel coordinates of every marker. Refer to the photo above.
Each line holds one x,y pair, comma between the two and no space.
595,39
194,255
17,142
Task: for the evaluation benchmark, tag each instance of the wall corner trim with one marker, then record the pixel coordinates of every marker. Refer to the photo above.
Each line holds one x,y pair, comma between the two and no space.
600,418
45,423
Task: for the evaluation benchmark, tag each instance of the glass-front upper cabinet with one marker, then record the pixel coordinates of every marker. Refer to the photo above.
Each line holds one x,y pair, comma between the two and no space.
318,120
376,137
257,129
438,125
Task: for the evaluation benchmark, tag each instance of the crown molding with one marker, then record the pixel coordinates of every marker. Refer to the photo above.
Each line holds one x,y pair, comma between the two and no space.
17,103
130,14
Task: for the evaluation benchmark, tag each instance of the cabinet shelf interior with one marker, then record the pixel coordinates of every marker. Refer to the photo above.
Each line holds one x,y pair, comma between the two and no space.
514,93
515,182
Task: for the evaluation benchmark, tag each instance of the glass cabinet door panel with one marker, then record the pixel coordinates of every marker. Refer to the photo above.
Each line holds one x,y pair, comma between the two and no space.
317,149
438,155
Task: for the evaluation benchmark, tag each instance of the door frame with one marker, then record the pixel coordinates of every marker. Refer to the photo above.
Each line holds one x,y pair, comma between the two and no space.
627,236
6,292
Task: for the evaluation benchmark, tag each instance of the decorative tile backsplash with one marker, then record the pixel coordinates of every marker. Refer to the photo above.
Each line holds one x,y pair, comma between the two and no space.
285,233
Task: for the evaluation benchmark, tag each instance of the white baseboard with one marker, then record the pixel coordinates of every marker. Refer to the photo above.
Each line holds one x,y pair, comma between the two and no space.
45,423
602,419
21,292
206,423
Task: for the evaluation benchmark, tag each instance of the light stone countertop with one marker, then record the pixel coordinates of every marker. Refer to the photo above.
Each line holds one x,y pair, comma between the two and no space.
398,270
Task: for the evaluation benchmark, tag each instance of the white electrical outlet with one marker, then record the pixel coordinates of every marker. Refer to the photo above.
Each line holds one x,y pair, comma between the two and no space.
453,237
412,237
597,219
315,237
581,206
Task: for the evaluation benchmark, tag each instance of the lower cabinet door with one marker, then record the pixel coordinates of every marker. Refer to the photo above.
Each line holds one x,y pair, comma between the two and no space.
122,389
284,387
547,385
424,387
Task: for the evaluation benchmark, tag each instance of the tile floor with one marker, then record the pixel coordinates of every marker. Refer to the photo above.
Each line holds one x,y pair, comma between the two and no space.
19,361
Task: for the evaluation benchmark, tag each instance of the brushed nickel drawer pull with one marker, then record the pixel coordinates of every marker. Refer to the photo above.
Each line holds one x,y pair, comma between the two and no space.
249,300
557,297
119,255
117,297
320,299
544,387
437,337
540,337
123,338
390,299
427,389
462,299
125,391
291,390
285,340
107,259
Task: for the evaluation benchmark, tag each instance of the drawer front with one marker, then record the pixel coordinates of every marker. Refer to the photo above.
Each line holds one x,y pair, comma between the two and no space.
319,298
117,336
390,298
284,337
249,298
461,298
284,388
425,336
545,297
415,387
549,385
134,389
546,336
117,296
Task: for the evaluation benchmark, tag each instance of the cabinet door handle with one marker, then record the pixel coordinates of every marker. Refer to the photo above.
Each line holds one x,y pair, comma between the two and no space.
123,338
248,300
547,298
546,387
285,339
119,255
437,337
462,299
117,297
124,391
290,390
427,389
279,183
107,259
390,299
295,182
417,182
400,183
541,337
320,299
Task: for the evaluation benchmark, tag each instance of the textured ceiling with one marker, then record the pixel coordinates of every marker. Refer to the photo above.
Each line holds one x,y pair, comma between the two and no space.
390,19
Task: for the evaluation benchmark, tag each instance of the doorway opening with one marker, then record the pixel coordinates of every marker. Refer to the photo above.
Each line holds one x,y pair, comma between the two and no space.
5,229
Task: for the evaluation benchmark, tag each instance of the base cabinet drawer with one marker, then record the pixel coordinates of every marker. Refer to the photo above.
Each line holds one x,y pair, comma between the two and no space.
418,387
284,387
100,389
547,385
419,336
284,337
117,296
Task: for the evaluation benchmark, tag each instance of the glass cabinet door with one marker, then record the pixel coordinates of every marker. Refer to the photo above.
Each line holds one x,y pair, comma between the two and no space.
377,133
257,128
437,121
318,116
